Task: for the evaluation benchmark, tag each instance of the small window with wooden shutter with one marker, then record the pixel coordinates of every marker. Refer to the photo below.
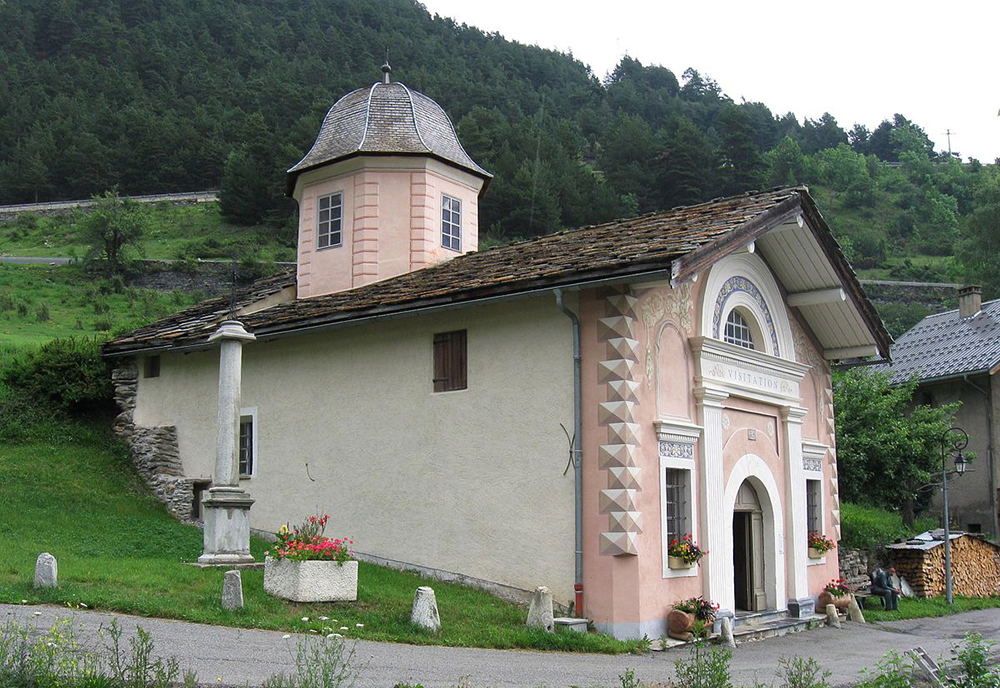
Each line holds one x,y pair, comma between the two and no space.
450,361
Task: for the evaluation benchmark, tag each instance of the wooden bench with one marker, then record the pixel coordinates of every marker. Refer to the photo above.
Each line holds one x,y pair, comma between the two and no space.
862,596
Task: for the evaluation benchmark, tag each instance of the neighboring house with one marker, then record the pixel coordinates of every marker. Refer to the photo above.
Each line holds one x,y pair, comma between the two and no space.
423,393
955,356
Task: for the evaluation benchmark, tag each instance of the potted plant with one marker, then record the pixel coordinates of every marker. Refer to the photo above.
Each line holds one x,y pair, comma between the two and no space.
836,593
306,566
819,545
684,553
691,618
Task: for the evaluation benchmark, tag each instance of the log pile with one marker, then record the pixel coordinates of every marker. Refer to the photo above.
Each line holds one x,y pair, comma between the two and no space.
975,568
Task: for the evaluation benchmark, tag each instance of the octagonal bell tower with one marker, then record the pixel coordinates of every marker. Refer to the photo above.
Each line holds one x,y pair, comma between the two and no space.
387,188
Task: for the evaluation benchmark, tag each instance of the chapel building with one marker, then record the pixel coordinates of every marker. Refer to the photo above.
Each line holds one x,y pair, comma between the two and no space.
552,412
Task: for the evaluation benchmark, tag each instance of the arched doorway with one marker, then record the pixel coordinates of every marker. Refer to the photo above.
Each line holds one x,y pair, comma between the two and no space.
748,550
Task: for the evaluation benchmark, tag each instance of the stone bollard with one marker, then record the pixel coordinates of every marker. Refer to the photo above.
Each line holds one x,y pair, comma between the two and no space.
540,614
46,571
425,610
232,591
854,612
832,618
726,632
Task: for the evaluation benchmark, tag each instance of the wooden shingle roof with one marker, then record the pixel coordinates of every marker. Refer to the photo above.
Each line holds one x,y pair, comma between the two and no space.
646,245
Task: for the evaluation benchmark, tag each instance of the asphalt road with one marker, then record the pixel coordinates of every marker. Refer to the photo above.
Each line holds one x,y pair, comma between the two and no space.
35,261
237,657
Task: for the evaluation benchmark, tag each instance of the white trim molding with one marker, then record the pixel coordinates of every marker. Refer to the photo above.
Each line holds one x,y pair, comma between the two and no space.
745,373
813,454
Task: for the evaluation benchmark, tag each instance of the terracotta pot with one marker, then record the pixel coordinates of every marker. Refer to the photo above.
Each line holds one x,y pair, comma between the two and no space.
825,598
679,622
677,564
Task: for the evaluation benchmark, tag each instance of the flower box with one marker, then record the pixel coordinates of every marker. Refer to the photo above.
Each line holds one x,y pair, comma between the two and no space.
311,581
678,564
816,554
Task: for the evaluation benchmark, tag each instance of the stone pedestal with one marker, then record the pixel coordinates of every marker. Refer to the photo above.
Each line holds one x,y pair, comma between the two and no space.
226,512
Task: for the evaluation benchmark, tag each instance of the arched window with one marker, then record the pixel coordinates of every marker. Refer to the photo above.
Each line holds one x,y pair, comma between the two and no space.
738,330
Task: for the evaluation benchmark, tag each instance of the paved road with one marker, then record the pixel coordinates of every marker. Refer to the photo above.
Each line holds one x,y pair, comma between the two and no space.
35,261
236,657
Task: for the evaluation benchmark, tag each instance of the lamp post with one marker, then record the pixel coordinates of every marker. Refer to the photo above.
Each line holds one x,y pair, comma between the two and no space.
954,441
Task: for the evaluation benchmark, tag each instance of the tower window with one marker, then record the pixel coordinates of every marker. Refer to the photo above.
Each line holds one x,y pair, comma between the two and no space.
451,223
738,330
330,212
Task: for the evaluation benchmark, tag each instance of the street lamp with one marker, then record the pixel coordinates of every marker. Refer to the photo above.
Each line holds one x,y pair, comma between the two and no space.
953,442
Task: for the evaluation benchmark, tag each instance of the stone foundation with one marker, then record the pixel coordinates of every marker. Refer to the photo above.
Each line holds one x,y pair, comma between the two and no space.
856,567
153,450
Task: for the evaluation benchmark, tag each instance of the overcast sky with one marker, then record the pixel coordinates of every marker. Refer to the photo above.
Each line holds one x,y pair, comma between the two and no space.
934,62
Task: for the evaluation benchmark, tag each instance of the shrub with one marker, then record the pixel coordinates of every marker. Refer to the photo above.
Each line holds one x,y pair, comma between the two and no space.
704,669
66,375
801,672
867,527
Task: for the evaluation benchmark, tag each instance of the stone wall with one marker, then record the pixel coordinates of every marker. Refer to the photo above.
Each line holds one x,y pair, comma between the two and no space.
154,450
855,567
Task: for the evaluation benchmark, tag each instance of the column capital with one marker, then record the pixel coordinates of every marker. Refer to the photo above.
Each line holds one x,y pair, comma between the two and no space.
232,329
793,414
707,396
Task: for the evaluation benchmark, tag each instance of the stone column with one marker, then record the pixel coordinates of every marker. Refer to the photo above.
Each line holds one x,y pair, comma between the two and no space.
226,507
717,567
796,533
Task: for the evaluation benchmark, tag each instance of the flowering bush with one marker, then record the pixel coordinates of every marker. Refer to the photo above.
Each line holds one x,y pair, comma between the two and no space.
699,606
838,587
820,542
686,549
306,542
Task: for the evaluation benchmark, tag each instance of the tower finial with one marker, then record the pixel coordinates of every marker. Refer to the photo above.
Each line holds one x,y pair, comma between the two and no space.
386,68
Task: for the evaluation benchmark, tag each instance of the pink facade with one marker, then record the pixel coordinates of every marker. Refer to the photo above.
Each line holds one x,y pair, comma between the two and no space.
659,392
390,220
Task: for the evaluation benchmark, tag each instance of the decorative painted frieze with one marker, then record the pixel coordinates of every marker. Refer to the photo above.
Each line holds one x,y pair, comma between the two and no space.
618,456
677,450
675,305
738,284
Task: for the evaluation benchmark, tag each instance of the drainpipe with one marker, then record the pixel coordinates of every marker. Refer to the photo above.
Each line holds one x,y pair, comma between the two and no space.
577,453
988,394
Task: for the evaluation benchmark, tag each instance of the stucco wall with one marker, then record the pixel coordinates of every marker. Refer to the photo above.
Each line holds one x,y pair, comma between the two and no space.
968,496
468,481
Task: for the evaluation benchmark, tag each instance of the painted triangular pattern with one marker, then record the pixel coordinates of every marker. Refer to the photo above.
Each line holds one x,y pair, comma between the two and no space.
616,455
615,326
623,347
617,369
621,304
624,477
623,433
615,412
626,521
623,390
615,544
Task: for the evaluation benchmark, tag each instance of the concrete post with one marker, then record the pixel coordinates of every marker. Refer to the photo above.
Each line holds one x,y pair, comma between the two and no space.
226,507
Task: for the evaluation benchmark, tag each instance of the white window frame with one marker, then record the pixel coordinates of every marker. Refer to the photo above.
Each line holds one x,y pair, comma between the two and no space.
329,222
451,240
678,433
817,479
251,413
744,325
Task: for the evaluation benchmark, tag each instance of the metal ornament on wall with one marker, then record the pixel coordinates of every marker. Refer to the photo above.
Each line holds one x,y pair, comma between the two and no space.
675,305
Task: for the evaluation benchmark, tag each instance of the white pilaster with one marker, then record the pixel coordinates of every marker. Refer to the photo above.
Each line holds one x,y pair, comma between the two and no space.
796,544
717,566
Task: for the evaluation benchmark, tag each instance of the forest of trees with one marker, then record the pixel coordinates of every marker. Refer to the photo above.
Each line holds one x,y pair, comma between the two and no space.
171,95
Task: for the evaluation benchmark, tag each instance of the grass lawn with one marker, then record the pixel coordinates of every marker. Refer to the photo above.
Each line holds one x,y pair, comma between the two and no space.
72,493
922,608
198,231
41,302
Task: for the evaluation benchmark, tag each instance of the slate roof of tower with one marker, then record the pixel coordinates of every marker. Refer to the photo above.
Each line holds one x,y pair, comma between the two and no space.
946,345
644,245
386,119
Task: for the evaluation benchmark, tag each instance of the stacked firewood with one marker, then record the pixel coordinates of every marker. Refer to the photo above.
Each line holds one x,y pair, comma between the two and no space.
975,566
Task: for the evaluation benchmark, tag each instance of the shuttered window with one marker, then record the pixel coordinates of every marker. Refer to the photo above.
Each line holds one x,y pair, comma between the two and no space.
450,361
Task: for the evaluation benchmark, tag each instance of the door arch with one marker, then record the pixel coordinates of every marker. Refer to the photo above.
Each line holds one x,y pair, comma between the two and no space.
752,470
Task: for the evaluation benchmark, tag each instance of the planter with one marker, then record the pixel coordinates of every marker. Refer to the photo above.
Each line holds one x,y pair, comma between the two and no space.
678,564
311,581
816,554
679,625
825,598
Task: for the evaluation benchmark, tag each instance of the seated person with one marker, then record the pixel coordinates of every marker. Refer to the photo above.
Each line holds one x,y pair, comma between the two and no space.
882,585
